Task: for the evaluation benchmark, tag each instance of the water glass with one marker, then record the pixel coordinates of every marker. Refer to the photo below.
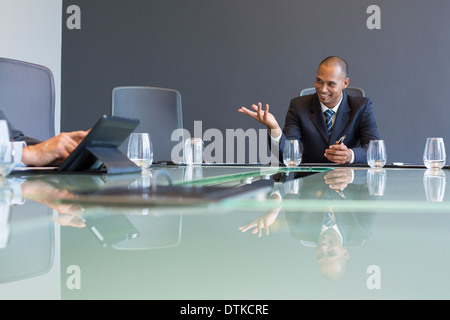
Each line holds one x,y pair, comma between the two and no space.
292,155
140,150
434,185
6,150
434,153
376,154
6,158
193,151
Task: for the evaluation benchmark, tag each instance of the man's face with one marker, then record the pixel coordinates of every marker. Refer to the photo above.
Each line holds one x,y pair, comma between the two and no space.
331,257
330,81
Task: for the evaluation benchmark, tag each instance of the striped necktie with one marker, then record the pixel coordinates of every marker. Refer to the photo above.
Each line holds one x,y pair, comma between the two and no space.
329,113
329,221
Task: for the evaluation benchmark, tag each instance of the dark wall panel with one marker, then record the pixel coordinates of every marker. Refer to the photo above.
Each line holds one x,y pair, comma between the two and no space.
224,54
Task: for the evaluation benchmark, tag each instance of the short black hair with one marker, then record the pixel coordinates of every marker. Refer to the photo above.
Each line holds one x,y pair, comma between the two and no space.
336,60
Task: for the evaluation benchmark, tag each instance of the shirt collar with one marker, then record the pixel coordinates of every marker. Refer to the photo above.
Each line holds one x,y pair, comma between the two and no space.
335,108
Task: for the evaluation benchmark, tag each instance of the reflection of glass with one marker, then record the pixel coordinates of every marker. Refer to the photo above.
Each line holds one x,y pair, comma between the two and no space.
193,173
193,151
293,186
10,195
5,209
144,182
376,154
434,153
434,184
140,150
376,181
292,155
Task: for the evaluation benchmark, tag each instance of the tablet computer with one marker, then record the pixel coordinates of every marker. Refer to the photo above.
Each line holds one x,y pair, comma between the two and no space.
98,151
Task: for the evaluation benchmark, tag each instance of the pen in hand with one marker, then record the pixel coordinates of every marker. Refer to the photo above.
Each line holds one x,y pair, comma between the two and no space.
341,140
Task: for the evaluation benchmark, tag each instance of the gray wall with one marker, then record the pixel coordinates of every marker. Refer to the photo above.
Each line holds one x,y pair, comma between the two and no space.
222,55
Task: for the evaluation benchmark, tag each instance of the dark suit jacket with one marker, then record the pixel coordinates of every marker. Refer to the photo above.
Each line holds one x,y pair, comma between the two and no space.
16,134
305,122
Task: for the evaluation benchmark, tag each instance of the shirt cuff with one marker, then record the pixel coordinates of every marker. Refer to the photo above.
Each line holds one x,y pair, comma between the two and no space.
352,160
18,148
276,140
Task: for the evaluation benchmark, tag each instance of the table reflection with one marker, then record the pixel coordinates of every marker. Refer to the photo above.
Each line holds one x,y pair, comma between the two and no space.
27,239
331,240
434,185
376,181
123,228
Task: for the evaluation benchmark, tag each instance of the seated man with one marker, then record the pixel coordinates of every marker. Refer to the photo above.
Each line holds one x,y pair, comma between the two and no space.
306,119
52,151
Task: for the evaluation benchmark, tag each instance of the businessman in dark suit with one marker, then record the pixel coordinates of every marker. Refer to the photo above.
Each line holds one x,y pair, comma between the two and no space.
41,153
306,121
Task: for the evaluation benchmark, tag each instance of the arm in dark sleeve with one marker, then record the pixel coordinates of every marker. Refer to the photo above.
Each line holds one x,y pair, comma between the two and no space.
368,131
16,134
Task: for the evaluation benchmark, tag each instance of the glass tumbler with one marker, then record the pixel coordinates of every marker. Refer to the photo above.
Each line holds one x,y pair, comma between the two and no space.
193,151
292,155
376,154
434,153
140,150
6,150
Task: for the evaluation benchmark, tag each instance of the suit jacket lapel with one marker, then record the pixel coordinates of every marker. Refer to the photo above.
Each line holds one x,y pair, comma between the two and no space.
342,118
317,118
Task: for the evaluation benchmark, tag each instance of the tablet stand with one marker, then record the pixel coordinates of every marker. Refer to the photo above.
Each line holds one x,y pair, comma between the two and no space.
113,160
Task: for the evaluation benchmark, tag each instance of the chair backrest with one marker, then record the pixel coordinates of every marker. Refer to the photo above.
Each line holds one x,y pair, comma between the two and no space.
27,97
353,91
158,109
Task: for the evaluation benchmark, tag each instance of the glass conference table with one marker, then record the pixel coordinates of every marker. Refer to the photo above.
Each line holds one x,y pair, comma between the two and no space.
226,233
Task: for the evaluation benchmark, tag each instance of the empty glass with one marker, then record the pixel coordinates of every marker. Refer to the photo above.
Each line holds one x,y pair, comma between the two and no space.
193,151
292,155
6,150
140,150
434,153
376,154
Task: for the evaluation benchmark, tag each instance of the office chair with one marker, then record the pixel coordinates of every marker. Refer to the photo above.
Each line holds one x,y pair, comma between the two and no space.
158,109
27,97
353,91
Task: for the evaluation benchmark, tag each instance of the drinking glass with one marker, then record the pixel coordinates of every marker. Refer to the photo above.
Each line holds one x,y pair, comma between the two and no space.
6,150
193,151
434,153
376,154
434,184
292,155
140,150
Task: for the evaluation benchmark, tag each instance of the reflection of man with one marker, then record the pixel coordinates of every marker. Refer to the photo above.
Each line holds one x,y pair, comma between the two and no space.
331,243
350,228
330,232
